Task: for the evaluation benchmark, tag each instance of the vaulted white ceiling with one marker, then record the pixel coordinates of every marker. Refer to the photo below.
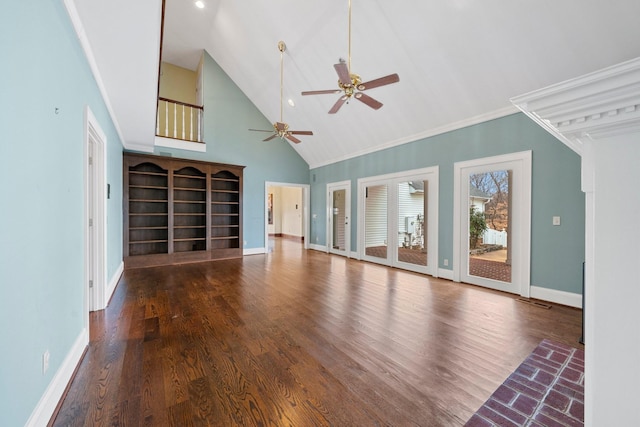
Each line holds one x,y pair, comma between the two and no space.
459,61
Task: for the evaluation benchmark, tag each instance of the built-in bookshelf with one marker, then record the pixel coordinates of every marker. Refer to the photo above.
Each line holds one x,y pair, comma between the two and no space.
178,210
225,210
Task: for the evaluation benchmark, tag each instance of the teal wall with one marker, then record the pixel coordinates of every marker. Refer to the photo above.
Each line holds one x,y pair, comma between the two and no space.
42,196
557,253
228,114
41,170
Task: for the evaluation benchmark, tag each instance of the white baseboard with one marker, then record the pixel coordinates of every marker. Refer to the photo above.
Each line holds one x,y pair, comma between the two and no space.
445,274
254,251
111,286
558,297
43,411
354,255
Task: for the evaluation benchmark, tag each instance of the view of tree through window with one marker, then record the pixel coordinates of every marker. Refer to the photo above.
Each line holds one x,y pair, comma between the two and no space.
489,252
496,185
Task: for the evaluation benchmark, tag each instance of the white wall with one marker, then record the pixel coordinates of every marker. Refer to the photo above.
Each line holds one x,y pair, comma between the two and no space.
613,292
287,211
291,211
276,227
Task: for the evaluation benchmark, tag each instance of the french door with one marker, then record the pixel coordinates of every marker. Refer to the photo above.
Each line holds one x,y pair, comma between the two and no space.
339,218
398,224
492,222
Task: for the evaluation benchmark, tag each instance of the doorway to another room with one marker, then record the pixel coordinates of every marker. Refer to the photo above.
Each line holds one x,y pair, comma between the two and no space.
286,210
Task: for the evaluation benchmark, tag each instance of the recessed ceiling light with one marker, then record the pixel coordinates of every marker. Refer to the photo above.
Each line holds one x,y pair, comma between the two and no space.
200,4
290,101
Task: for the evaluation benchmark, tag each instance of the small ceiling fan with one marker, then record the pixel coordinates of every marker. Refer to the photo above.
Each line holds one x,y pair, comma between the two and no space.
281,128
351,84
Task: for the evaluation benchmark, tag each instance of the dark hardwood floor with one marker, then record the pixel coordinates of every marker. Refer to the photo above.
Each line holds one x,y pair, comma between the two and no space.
301,338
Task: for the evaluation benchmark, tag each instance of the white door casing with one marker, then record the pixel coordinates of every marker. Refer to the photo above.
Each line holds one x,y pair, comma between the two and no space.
95,213
520,164
343,187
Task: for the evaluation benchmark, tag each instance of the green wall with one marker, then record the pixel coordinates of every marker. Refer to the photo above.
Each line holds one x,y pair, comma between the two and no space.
42,193
228,114
557,253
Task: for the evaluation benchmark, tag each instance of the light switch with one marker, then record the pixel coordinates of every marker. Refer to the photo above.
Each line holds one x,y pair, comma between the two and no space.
556,220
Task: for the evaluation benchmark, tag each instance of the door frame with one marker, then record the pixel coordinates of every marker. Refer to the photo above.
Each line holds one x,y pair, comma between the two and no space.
94,202
520,163
431,174
331,187
305,210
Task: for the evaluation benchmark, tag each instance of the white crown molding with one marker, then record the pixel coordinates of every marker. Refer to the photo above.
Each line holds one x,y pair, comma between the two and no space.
93,65
593,106
492,115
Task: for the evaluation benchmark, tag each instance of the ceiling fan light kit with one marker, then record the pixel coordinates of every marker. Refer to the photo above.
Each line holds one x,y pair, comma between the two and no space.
351,84
281,128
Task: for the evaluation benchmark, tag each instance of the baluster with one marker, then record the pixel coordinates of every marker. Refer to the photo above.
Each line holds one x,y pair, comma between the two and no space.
183,108
175,120
199,124
158,122
190,123
166,118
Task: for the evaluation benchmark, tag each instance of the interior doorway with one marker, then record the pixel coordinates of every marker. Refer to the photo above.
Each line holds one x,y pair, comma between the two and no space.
286,212
492,222
339,215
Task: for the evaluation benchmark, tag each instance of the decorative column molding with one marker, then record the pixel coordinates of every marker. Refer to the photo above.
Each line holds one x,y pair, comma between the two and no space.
598,116
594,106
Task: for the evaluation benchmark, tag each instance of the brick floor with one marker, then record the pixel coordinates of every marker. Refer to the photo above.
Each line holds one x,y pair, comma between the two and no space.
547,390
477,266
489,269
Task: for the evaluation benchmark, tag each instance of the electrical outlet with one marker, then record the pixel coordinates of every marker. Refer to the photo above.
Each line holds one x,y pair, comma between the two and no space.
446,262
45,362
556,220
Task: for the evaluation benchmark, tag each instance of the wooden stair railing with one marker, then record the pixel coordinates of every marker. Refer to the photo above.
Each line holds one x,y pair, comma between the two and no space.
179,120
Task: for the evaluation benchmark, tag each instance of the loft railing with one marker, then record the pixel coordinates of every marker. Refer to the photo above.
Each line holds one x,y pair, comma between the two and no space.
179,120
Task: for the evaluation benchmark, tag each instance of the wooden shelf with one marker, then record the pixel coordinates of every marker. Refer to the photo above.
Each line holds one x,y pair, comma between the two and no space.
148,228
178,210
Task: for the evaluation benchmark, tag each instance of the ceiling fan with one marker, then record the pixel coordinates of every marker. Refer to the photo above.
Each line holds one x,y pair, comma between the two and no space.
351,84
281,128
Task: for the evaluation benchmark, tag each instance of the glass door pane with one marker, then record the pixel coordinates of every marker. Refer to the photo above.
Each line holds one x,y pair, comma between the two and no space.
489,240
375,226
412,199
338,220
